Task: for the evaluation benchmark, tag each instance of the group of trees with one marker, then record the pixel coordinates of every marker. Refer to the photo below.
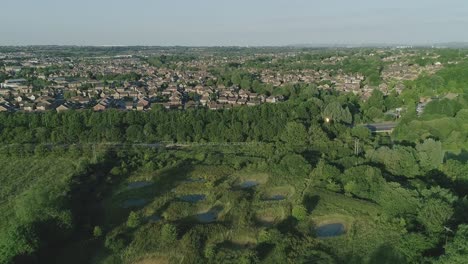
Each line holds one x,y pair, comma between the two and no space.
265,123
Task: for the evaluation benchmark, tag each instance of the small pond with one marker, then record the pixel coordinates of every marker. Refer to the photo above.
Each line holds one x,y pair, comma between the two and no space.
138,184
193,198
154,218
133,203
275,197
207,217
330,230
248,184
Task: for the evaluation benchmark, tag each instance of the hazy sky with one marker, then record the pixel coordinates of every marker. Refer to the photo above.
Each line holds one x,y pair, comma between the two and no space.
231,22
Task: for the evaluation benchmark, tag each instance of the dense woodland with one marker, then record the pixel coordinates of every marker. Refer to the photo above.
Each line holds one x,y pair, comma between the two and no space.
401,197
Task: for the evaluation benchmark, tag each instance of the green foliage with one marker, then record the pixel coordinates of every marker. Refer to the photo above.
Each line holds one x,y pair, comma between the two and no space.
444,107
18,240
335,112
457,250
133,220
115,241
433,214
97,231
293,166
400,160
363,181
299,212
168,234
430,154
326,175
295,134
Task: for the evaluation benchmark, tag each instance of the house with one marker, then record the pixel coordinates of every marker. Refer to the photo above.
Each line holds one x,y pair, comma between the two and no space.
242,101
42,106
253,103
144,102
190,104
4,92
222,100
80,99
99,107
117,95
140,106
4,108
13,83
214,106
62,108
243,94
232,100
271,99
129,105
205,99
28,107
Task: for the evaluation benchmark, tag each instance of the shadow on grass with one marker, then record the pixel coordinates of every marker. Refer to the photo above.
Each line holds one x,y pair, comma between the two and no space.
386,254
311,202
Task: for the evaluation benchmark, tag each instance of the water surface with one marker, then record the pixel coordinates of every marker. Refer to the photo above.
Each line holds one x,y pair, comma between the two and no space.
193,198
207,217
248,184
276,197
133,203
154,218
330,230
138,184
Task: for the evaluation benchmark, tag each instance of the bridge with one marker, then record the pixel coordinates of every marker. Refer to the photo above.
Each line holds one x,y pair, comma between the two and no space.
386,127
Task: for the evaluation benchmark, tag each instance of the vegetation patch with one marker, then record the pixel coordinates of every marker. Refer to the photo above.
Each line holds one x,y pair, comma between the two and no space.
270,216
277,193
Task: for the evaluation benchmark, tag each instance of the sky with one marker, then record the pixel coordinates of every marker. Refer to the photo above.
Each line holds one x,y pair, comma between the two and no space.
232,22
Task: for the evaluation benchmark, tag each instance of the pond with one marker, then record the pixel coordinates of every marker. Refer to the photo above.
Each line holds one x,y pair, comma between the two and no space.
207,217
248,184
138,184
133,203
330,230
193,198
275,197
154,218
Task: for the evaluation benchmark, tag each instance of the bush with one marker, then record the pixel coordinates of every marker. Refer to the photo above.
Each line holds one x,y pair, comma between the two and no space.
299,212
97,232
133,220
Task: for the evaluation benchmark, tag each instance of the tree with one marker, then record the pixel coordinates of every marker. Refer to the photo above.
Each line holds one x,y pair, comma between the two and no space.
399,161
97,232
133,220
433,214
19,239
168,234
299,212
295,134
326,175
430,154
363,181
295,165
335,112
134,133
457,250
361,132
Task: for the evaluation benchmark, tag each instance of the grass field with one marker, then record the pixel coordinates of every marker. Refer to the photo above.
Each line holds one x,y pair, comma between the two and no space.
367,228
243,218
19,175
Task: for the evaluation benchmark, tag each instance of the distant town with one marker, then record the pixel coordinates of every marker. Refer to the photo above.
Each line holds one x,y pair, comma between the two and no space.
37,79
